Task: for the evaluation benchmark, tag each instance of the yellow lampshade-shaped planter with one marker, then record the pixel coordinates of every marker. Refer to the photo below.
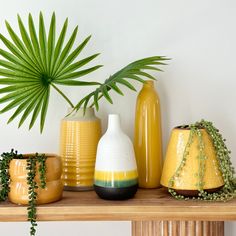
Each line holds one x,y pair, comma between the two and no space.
197,163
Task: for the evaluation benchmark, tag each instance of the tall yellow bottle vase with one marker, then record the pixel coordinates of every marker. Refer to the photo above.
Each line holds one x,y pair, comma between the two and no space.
186,181
80,134
147,137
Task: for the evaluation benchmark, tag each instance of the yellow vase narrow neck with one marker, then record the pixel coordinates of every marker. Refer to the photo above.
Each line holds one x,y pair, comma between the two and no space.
148,84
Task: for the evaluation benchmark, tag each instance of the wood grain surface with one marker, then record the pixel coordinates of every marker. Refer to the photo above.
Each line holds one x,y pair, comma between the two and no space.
177,228
147,205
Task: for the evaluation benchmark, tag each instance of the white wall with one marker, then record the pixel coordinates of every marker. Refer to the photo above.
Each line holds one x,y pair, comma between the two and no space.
198,83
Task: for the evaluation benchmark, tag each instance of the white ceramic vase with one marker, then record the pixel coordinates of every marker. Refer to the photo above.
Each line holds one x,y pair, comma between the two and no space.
116,175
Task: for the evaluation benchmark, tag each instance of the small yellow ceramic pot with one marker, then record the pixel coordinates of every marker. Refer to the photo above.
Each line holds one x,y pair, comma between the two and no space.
18,181
187,178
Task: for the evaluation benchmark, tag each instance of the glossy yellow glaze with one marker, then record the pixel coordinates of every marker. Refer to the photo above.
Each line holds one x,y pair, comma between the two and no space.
116,175
78,146
147,137
19,188
188,179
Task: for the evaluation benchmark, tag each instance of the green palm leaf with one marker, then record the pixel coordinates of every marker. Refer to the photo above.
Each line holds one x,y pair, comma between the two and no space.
66,50
59,44
10,57
77,65
17,101
74,54
51,42
35,42
133,71
15,51
26,38
24,104
37,109
44,109
30,107
43,41
25,91
77,74
20,45
35,61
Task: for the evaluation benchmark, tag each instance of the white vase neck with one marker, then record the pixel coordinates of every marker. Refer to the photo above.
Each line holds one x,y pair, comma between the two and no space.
113,123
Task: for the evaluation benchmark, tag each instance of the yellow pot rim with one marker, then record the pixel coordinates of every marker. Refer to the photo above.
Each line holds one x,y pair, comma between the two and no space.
48,155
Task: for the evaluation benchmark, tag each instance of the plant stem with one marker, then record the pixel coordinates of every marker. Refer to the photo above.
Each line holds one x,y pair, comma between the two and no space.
63,95
99,97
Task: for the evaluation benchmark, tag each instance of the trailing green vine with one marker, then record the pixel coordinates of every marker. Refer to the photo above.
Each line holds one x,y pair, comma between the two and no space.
42,169
6,157
34,163
33,186
228,191
31,166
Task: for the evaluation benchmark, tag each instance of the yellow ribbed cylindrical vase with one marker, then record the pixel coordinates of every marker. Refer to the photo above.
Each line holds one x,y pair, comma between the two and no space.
80,133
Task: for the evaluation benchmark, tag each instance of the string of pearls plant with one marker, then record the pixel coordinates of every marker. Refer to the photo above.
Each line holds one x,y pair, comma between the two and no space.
32,163
228,191
33,186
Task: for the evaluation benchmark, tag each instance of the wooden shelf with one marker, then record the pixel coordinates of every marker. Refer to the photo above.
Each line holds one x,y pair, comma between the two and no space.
147,205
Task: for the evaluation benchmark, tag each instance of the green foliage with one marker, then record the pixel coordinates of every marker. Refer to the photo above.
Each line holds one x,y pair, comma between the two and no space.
5,159
33,186
31,166
133,71
35,63
223,155
32,163
42,169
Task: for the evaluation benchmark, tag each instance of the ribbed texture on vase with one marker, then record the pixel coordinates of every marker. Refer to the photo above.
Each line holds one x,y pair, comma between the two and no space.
78,146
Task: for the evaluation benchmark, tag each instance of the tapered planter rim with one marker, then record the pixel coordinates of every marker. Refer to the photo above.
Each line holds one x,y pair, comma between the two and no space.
186,127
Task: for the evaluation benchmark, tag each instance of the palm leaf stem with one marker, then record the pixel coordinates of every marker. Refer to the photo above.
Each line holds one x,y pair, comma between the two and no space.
63,95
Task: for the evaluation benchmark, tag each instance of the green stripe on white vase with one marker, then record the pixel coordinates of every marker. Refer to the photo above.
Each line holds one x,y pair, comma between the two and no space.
116,184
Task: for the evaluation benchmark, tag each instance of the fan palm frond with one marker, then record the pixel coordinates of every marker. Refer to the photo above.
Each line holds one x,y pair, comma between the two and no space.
134,71
35,62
